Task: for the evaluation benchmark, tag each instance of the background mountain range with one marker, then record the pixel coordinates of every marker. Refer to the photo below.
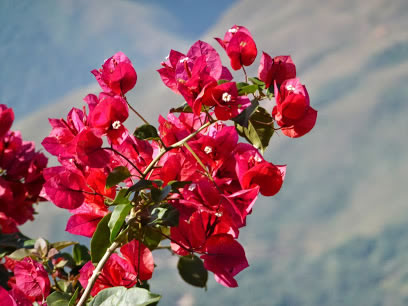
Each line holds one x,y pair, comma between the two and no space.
337,232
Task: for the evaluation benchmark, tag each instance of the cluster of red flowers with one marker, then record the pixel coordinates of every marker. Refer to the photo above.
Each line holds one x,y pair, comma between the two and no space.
29,284
20,175
193,164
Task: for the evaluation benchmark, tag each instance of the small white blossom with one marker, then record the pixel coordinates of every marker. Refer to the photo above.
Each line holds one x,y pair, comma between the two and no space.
116,125
208,150
184,59
290,87
226,97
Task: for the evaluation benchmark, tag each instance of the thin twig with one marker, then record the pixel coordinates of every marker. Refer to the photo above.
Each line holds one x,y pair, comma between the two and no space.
173,146
136,112
245,73
124,157
96,273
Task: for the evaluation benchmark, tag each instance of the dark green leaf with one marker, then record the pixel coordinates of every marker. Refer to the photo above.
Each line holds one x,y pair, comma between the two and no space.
58,299
74,297
120,296
260,129
192,271
243,118
140,185
119,174
67,259
80,254
175,185
146,132
12,241
62,244
165,214
100,240
118,217
151,237
159,195
249,89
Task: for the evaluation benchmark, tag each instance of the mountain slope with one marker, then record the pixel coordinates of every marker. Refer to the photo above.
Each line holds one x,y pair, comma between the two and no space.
335,234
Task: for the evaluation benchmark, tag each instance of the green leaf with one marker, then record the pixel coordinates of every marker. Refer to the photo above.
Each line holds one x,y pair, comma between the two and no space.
29,243
260,129
67,260
185,108
119,174
241,84
121,198
62,244
151,237
140,185
165,214
175,185
249,89
80,254
118,217
100,240
58,299
64,285
243,118
257,81
74,297
120,296
192,271
222,81
20,254
159,195
146,132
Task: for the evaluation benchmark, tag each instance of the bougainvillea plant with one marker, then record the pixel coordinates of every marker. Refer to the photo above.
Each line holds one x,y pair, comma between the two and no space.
186,186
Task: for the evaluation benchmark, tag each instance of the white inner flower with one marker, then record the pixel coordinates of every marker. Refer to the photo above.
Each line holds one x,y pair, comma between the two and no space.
258,159
192,187
290,87
116,125
184,59
207,149
218,214
226,97
233,30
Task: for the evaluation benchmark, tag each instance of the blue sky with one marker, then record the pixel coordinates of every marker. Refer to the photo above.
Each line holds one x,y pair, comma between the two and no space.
48,47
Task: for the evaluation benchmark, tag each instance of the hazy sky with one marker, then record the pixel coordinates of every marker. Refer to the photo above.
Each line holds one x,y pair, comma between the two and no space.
48,47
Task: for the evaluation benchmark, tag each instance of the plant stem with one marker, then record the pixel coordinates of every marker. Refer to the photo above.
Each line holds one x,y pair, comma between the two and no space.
136,112
96,273
173,146
115,245
245,73
124,157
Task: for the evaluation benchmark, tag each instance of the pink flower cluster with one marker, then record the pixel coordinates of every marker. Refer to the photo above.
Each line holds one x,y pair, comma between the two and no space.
29,284
219,177
21,176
